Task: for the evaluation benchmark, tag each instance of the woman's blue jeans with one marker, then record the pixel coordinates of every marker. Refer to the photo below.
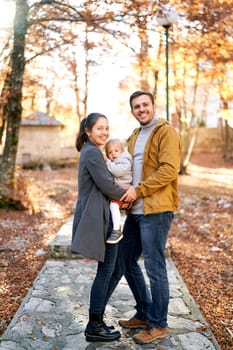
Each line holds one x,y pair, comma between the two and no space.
147,235
100,286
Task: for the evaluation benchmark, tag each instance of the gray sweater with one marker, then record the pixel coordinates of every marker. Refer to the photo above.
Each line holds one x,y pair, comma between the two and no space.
143,136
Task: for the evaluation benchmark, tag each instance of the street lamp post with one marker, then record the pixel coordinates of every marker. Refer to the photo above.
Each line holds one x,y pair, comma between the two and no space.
167,16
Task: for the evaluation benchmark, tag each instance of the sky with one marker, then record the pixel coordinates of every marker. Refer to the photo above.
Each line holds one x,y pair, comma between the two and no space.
7,10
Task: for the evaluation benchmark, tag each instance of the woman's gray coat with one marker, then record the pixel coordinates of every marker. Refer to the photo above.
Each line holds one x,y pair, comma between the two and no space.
96,187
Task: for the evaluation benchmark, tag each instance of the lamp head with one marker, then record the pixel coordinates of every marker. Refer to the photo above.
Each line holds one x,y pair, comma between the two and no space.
166,15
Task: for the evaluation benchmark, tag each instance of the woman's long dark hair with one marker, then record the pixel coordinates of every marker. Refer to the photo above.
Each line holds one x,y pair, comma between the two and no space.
86,123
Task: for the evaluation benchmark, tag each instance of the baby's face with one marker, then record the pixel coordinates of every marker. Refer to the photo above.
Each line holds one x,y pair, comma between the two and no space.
113,151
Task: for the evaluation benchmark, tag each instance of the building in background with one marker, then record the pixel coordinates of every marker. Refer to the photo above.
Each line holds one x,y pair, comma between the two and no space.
39,139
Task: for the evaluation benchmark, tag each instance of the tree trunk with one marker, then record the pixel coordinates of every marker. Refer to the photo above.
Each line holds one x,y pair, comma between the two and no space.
228,142
3,104
14,105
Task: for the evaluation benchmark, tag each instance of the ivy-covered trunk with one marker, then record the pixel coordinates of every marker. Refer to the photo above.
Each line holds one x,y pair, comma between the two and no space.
13,107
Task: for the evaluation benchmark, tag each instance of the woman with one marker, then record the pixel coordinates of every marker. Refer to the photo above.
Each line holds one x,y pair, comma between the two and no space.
92,220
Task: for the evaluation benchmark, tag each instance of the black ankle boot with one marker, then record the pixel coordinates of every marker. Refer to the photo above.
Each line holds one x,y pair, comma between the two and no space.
111,327
96,330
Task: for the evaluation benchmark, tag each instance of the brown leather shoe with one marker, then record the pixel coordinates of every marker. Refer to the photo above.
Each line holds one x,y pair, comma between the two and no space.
133,323
149,335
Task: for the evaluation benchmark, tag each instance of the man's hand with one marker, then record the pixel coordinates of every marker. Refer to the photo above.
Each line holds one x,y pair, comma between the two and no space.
127,205
130,195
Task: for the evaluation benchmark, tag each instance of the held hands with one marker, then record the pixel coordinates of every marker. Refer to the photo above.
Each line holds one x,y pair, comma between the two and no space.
130,195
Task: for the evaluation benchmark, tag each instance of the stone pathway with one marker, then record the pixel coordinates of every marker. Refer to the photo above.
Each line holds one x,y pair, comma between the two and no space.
54,313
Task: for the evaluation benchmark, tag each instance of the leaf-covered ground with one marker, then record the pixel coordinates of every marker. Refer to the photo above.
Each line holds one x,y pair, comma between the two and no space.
201,237
201,240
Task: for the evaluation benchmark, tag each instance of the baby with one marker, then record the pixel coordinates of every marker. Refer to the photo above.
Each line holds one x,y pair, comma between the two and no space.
119,163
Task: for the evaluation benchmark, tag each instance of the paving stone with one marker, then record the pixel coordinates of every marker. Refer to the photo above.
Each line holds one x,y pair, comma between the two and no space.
195,341
177,306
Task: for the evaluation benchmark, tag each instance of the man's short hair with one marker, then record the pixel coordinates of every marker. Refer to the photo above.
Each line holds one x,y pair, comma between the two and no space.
139,93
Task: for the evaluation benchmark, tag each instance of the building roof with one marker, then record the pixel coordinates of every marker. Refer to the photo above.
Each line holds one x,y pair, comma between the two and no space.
40,119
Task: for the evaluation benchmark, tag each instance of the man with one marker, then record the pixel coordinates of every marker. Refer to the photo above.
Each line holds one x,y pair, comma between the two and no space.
155,149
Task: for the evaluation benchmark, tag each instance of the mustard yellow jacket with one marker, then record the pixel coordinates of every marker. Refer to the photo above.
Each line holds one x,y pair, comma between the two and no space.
159,184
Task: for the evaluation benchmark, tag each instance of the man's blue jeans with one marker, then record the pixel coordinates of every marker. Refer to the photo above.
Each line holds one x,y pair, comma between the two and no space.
147,235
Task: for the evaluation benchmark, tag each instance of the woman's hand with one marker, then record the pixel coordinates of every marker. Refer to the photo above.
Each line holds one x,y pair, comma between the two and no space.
130,195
